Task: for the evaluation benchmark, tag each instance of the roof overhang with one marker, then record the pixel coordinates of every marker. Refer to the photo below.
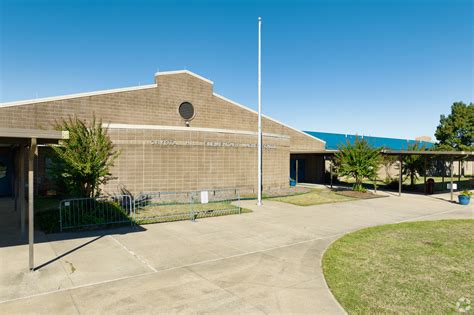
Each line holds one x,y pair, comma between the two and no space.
457,155
317,152
20,135
439,154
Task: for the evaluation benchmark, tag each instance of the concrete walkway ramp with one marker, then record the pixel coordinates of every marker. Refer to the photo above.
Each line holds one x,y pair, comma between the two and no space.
267,261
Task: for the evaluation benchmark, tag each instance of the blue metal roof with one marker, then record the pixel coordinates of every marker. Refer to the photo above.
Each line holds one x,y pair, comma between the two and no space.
334,140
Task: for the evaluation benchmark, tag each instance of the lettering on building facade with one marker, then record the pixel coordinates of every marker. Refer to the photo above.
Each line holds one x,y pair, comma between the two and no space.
167,142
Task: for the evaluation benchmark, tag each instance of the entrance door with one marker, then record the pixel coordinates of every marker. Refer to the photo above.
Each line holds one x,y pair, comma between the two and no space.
5,176
301,170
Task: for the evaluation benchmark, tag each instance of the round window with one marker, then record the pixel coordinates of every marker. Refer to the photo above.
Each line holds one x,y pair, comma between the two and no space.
186,111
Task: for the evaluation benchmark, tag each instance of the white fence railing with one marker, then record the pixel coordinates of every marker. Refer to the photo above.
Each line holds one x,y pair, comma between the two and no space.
88,212
147,207
172,206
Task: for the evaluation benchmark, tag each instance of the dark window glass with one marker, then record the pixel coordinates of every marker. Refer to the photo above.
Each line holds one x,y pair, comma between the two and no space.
186,110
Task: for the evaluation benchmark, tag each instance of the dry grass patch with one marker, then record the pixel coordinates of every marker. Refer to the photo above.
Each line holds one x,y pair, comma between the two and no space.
416,267
358,194
314,197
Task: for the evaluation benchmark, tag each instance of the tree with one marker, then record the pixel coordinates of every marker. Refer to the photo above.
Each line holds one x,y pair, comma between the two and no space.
413,165
358,160
388,161
455,132
82,163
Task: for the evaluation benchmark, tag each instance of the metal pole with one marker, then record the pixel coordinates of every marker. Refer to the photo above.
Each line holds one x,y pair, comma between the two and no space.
16,182
400,177
452,171
330,171
443,171
459,173
21,189
259,200
31,229
424,179
296,172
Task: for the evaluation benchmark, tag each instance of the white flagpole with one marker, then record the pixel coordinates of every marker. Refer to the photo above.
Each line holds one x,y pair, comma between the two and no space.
259,200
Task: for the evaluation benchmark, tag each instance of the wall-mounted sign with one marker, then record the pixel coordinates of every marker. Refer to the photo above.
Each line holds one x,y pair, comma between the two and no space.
167,142
204,196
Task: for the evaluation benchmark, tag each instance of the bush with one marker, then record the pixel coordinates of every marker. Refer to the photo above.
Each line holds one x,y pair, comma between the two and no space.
82,163
47,221
359,161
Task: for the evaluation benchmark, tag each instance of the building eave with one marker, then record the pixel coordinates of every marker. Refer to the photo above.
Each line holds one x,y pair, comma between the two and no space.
267,117
160,73
76,95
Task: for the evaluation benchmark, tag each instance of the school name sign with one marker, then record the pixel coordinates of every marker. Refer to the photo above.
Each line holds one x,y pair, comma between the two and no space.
209,144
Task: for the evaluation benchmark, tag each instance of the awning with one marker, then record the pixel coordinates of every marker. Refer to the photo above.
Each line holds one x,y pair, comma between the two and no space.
28,139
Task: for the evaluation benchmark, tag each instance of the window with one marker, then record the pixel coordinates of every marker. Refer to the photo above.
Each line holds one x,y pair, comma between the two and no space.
186,111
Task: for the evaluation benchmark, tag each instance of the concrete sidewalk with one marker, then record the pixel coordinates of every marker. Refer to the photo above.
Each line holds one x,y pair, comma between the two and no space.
267,261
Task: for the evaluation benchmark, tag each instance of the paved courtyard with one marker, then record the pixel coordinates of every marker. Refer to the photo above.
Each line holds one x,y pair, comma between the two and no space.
267,261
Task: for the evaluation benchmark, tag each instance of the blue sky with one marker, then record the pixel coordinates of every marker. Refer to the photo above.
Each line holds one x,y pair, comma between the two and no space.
384,68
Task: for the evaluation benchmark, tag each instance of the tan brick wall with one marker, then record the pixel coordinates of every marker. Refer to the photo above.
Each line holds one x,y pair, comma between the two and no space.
143,167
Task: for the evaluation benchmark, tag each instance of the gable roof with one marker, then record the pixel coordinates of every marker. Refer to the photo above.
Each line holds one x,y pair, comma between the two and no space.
269,118
75,95
134,88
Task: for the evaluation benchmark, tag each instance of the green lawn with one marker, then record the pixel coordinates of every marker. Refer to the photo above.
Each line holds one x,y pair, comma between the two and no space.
314,197
416,267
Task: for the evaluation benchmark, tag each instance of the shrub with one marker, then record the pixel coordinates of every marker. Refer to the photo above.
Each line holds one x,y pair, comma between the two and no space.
82,163
47,220
413,165
466,193
358,160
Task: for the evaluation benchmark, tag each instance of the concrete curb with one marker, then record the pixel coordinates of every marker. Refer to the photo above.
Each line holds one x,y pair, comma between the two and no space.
322,272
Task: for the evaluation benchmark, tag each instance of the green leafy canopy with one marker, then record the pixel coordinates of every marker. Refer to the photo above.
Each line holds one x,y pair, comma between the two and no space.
456,131
413,165
358,160
82,163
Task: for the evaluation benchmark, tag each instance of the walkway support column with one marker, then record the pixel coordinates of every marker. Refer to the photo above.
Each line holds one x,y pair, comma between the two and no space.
400,177
330,168
31,223
459,173
424,175
443,172
21,188
452,174
296,171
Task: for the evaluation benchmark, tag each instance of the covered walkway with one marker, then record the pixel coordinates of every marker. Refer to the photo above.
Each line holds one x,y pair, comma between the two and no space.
449,156
310,167
22,145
